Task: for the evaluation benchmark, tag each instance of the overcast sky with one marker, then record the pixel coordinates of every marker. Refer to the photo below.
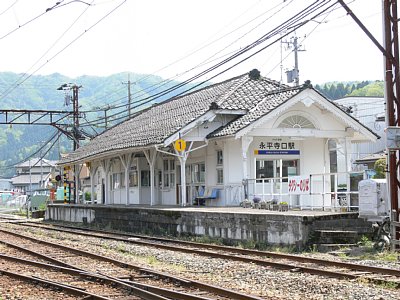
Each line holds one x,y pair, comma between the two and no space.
174,37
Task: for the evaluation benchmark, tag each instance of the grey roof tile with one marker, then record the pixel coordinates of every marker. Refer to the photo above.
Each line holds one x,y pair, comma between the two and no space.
157,123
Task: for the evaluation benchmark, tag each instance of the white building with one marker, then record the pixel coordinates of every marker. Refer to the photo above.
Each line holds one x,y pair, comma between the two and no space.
247,129
370,111
33,174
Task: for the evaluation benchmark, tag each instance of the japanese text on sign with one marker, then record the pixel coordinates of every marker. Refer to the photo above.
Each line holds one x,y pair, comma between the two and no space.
299,185
276,145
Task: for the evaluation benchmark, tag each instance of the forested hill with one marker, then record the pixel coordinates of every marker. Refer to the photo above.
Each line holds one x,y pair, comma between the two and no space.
38,92
337,90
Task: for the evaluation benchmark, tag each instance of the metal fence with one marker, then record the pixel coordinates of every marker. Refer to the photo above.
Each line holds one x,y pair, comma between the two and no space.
12,201
335,191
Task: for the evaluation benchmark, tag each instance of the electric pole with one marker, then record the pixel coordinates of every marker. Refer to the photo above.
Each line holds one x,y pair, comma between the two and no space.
67,88
390,51
75,99
129,95
76,135
293,75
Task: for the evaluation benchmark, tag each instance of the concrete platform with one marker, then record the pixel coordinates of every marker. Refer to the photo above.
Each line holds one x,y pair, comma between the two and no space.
290,228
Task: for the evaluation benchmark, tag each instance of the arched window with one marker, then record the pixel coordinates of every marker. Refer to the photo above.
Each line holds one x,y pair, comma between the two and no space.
296,121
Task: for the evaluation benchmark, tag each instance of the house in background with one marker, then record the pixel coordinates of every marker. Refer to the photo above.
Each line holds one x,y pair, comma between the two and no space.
33,174
243,136
5,184
370,111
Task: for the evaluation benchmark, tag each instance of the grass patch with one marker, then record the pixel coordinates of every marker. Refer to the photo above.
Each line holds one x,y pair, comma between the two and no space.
379,256
152,260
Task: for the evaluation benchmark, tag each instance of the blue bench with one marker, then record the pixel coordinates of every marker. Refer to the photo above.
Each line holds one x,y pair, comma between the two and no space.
204,195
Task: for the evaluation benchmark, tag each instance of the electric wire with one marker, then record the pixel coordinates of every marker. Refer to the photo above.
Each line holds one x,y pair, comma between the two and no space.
70,43
166,81
307,35
47,151
31,20
8,8
32,154
27,75
214,75
289,24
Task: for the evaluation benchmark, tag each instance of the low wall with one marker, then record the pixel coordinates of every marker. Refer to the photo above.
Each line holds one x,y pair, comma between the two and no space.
238,225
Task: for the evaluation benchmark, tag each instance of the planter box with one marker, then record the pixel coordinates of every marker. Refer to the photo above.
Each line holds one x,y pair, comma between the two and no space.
283,207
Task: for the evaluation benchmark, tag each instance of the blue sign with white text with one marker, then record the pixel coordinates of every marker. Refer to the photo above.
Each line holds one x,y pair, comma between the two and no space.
277,152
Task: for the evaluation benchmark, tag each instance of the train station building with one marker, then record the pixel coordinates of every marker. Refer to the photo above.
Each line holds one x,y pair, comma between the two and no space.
247,137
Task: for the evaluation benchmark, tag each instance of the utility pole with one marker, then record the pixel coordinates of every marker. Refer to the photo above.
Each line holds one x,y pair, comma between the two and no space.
293,75
392,91
390,51
296,61
129,95
76,135
75,98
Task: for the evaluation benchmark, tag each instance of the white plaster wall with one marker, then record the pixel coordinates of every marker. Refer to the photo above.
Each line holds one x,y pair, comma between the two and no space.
233,162
233,172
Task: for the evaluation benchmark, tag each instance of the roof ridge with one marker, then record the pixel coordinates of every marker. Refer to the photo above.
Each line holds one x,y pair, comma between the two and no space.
239,84
279,90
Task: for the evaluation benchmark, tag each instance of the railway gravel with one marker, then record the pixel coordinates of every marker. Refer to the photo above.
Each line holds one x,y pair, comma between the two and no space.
13,289
266,282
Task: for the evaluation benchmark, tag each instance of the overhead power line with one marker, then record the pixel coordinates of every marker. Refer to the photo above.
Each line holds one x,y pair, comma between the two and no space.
64,48
56,134
286,27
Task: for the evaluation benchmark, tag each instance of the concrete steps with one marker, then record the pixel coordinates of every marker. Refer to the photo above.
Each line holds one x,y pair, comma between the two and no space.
325,248
332,240
336,236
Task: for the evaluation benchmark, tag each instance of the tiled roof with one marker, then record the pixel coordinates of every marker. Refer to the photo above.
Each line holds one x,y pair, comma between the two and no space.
27,179
36,162
154,125
270,102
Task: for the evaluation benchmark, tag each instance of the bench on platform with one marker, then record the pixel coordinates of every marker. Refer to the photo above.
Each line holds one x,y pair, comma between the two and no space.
204,195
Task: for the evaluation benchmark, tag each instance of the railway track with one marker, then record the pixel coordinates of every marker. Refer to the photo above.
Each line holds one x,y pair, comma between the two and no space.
124,279
292,263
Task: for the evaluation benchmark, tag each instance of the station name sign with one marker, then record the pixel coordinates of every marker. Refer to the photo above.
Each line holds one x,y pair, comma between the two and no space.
277,146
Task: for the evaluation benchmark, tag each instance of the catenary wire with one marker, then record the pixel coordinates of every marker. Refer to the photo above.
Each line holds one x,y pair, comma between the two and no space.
8,8
70,43
301,15
31,20
32,154
27,74
166,81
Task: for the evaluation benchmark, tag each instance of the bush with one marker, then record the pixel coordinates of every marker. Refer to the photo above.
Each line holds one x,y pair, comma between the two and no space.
380,168
88,196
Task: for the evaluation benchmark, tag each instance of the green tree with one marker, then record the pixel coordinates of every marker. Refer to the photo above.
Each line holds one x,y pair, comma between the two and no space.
380,168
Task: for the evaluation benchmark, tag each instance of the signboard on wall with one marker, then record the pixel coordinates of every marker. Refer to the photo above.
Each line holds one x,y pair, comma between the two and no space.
299,185
276,146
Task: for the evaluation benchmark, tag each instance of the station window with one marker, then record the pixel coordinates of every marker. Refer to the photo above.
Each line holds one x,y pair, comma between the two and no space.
145,178
198,172
168,173
220,158
220,170
115,181
220,176
133,176
277,168
122,182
